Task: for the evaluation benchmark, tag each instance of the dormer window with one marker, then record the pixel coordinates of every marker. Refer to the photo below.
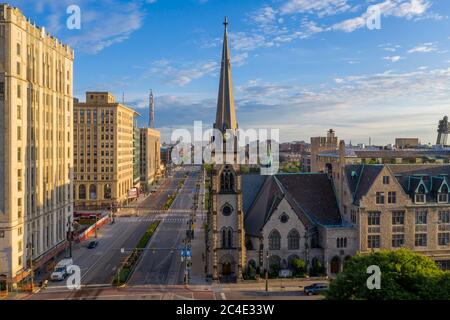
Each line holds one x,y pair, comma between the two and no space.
420,195
443,194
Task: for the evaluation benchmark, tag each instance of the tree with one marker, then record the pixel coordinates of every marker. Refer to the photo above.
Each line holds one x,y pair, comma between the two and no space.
299,266
405,275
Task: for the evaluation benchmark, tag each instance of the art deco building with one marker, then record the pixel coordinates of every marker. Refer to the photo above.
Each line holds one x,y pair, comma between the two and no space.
103,152
150,153
36,73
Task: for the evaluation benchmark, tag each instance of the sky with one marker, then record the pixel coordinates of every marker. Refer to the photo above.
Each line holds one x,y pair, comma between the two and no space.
301,66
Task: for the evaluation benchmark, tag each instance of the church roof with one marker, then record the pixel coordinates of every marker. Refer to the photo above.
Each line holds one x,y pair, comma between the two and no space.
311,196
226,113
360,178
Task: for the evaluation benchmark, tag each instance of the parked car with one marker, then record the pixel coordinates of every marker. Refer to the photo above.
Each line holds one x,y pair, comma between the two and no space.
315,288
92,244
61,270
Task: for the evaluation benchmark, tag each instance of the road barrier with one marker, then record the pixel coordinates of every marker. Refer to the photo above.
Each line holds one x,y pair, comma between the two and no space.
91,230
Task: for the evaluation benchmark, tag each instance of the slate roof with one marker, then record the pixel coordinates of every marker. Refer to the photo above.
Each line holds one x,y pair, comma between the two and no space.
310,195
361,177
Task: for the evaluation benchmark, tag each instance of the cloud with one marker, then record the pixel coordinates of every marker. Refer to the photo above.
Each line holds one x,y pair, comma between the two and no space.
320,8
424,48
181,74
393,58
103,24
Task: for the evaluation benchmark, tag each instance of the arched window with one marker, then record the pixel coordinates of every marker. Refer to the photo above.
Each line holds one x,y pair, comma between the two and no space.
227,180
107,191
92,192
224,238
274,240
82,192
227,238
293,240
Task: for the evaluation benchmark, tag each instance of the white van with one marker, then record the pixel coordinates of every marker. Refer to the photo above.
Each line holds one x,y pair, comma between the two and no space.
61,270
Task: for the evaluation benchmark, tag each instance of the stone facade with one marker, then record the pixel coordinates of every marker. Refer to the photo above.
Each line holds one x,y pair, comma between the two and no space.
150,163
103,152
36,102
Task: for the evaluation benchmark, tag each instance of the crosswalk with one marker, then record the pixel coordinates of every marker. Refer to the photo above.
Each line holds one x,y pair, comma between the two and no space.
162,218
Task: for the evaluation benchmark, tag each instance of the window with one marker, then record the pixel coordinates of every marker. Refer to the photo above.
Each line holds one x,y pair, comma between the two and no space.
398,240
284,218
2,88
293,240
2,234
18,49
19,112
380,198
227,180
421,217
386,180
443,238
373,241
19,260
341,242
19,91
274,240
421,239
353,215
82,192
19,133
19,154
419,198
373,218
18,68
398,217
227,210
442,197
392,197
444,217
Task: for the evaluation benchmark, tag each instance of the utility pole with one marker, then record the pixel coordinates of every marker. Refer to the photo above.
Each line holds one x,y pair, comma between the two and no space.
69,235
30,246
267,271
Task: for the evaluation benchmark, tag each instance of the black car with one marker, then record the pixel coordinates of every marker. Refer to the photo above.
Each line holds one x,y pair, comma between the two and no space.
92,244
315,288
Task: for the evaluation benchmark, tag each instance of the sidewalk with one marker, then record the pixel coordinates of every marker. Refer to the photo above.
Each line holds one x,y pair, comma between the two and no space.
198,245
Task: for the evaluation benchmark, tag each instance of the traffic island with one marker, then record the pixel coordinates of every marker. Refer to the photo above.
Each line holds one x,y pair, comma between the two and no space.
130,263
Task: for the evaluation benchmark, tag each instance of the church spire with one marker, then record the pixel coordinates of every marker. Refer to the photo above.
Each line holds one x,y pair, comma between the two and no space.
226,114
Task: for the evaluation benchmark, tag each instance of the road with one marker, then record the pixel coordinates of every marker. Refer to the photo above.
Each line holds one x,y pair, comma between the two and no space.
99,266
161,263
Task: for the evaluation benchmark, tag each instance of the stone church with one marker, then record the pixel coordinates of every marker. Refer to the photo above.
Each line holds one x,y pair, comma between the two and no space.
262,222
267,221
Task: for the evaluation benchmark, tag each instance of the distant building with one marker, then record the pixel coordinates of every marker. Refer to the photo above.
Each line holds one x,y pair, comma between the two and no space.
166,151
150,164
36,161
136,156
103,152
407,143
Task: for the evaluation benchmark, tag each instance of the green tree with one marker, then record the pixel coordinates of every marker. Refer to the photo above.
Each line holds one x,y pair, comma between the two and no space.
405,275
299,267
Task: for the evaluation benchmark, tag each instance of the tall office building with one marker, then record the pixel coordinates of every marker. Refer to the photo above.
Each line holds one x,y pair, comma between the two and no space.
36,73
150,154
103,152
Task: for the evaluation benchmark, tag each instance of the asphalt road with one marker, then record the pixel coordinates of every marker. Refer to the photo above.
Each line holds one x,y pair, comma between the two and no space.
99,266
161,263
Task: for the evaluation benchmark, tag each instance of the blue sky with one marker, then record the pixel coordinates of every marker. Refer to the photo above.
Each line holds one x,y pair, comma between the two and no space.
302,66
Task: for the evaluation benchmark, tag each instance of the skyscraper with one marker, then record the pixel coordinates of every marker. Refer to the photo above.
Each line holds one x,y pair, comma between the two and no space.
36,104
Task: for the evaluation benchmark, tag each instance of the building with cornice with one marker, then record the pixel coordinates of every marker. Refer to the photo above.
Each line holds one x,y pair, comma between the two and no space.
36,102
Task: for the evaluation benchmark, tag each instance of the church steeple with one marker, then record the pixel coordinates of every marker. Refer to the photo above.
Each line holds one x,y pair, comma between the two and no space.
226,113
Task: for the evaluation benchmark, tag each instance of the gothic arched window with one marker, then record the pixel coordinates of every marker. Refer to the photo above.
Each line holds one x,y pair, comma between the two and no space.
274,240
227,180
227,238
293,240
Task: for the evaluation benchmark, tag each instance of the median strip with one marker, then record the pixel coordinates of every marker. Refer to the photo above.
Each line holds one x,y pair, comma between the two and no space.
126,269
